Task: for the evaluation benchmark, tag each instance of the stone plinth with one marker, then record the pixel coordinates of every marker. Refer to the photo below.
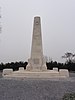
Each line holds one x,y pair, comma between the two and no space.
21,68
64,72
55,69
7,71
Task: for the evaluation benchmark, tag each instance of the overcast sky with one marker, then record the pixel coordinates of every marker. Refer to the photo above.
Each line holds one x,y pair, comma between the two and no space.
58,28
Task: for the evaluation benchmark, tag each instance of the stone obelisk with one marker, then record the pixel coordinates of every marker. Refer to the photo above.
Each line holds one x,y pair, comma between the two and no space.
36,61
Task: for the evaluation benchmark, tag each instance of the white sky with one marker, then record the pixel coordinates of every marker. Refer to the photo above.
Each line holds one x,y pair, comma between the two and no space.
58,28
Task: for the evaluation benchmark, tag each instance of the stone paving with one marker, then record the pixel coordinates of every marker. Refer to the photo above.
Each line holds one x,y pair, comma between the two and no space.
35,89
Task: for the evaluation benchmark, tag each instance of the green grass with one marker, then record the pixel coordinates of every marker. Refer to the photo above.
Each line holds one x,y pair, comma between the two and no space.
69,96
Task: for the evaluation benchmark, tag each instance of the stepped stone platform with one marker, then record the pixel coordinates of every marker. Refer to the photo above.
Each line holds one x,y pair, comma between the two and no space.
63,73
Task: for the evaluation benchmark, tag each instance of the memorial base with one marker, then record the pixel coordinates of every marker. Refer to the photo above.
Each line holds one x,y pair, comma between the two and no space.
39,74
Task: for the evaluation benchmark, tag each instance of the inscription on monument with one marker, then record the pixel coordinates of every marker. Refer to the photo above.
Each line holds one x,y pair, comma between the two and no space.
36,61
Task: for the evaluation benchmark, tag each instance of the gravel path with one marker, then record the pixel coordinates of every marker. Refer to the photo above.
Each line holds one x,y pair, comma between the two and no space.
35,89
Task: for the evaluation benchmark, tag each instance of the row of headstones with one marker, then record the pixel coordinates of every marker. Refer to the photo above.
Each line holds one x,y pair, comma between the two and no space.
62,72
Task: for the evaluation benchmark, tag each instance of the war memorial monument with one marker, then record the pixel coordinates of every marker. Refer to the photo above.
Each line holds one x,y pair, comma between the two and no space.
36,67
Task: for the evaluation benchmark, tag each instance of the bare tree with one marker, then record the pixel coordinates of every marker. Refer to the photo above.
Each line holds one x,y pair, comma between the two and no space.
70,57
